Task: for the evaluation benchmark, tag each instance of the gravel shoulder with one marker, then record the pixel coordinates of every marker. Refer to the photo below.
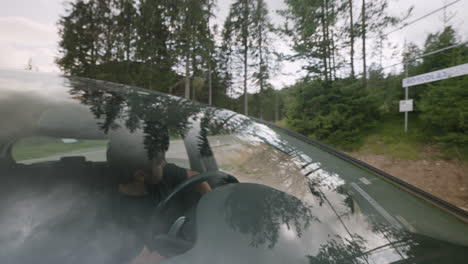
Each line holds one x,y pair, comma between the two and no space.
447,180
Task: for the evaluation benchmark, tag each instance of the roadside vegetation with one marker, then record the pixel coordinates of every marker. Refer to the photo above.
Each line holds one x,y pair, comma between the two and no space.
40,147
367,120
389,139
344,98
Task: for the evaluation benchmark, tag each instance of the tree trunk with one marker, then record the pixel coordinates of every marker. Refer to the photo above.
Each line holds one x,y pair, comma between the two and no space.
192,78
324,42
210,88
260,101
245,36
328,42
261,69
187,76
333,54
364,66
246,101
351,35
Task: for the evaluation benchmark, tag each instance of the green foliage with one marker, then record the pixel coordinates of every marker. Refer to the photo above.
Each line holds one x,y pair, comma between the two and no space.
41,147
452,57
78,44
272,105
330,112
386,90
145,43
308,24
326,107
445,108
246,49
444,104
389,139
338,114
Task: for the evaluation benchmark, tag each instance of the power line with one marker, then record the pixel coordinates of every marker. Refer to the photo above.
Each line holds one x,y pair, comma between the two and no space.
421,56
428,54
420,18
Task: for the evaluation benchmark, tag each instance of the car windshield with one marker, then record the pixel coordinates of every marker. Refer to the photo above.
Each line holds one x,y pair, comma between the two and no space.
72,151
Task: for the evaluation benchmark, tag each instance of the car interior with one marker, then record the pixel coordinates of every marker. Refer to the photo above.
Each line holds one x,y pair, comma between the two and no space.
100,178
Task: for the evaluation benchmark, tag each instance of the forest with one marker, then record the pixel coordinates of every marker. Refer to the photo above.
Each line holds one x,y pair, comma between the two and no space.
341,97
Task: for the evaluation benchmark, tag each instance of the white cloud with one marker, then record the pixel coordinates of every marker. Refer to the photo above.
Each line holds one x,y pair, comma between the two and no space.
22,38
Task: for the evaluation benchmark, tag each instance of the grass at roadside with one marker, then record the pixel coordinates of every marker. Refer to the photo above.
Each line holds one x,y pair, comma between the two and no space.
389,139
39,147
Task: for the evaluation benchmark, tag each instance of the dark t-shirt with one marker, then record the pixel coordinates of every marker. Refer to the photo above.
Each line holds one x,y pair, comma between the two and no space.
173,175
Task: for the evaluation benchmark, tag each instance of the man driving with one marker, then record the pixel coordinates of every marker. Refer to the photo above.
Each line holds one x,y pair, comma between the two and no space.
162,177
149,179
153,185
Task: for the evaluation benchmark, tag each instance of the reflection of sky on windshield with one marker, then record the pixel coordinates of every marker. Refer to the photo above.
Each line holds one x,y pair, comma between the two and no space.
259,133
345,220
350,221
57,221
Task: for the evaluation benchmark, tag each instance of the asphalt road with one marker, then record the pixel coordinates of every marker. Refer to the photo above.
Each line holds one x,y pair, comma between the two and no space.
176,153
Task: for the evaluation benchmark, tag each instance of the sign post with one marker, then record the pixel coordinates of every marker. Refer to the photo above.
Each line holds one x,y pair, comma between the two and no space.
406,106
406,112
406,98
426,78
436,75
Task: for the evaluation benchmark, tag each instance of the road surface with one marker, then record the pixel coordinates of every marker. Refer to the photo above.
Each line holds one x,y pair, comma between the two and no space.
176,152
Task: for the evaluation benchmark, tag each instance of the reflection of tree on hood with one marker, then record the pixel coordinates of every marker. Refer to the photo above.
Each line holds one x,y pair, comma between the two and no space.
421,248
410,247
156,139
266,213
341,250
158,115
203,145
133,105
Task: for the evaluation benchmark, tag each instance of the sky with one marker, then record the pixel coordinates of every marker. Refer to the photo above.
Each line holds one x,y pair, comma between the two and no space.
28,30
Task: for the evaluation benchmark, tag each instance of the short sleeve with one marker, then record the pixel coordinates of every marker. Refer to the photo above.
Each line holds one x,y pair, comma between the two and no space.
173,175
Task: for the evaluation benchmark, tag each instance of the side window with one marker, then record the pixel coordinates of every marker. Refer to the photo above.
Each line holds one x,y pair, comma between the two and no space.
262,164
177,154
43,149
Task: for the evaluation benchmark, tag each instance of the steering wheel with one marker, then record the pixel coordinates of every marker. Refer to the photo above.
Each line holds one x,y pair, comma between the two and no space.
169,243
193,180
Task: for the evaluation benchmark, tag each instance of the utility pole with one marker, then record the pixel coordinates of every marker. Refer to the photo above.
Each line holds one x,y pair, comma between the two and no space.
364,66
406,97
210,88
187,77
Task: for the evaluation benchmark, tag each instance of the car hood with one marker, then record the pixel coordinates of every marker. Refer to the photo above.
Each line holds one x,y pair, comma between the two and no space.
252,223
349,212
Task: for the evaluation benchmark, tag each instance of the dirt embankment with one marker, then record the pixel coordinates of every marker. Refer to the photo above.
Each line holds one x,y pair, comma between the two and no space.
447,180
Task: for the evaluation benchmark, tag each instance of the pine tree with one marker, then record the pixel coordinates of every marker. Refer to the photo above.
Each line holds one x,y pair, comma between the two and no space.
79,39
310,24
237,33
374,20
154,49
348,6
192,37
262,30
126,29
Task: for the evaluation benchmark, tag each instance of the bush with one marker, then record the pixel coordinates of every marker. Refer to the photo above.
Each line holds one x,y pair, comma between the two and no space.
337,114
445,107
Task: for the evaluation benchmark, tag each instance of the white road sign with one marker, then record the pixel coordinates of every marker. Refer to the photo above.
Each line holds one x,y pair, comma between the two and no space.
436,75
406,105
